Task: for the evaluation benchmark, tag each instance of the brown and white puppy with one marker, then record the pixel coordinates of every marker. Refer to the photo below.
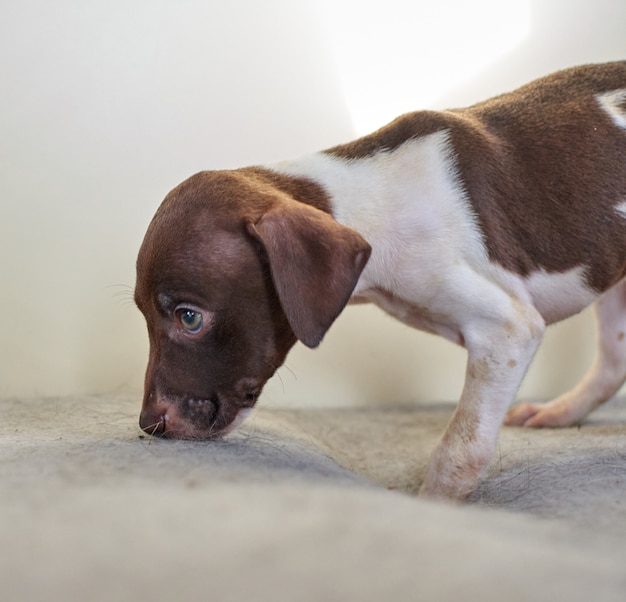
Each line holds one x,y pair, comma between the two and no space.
482,224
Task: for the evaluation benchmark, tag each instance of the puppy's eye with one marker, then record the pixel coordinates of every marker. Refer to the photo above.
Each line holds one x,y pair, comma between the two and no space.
190,320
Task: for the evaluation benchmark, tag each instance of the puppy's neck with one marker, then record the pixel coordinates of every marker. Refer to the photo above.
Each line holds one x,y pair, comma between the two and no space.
407,197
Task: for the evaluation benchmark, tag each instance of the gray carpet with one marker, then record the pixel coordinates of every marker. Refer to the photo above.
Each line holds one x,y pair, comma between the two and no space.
302,505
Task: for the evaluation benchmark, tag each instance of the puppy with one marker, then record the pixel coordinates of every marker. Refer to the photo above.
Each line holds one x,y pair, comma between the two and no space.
482,225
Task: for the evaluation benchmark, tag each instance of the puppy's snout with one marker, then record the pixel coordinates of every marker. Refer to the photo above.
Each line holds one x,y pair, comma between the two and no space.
208,416
182,418
154,421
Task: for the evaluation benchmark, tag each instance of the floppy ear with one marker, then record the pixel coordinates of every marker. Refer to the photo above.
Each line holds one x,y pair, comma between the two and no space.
315,264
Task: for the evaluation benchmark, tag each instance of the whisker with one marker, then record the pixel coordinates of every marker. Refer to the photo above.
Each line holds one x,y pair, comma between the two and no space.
280,378
295,376
151,429
277,367
126,293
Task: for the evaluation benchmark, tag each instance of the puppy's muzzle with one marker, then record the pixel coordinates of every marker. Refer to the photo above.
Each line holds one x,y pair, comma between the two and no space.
194,417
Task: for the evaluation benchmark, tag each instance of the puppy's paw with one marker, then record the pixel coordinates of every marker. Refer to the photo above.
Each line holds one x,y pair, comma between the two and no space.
539,415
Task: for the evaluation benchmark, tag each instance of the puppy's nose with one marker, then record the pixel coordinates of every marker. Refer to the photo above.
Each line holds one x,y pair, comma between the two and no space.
152,421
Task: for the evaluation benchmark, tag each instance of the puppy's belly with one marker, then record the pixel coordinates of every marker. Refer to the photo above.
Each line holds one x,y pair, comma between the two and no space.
558,295
412,314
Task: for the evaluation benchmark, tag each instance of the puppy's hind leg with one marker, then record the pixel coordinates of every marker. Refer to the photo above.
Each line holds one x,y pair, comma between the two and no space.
602,381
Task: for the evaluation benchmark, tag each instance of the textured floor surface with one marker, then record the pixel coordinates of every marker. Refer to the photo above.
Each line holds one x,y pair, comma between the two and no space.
306,505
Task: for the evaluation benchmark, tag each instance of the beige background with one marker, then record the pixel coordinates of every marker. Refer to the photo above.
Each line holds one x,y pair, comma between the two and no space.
108,105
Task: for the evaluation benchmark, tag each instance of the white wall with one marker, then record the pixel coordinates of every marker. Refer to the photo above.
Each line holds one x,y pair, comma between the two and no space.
106,105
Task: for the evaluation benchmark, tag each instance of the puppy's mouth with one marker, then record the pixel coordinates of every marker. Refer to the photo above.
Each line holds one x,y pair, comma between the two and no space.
177,417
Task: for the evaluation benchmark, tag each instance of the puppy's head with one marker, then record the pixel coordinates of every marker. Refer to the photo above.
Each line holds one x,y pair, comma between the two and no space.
232,271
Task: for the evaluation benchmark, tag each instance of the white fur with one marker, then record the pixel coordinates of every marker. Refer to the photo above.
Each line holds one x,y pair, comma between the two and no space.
621,209
613,103
560,295
408,204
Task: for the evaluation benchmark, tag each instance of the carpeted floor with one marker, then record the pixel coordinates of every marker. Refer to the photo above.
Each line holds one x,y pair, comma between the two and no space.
302,505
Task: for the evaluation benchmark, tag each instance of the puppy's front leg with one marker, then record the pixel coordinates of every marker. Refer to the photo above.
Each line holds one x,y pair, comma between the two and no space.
501,340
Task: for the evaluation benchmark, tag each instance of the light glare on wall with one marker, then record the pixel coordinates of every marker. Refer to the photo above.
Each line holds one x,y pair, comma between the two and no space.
398,55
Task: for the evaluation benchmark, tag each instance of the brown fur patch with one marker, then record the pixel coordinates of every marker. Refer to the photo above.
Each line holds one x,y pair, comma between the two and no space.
303,190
